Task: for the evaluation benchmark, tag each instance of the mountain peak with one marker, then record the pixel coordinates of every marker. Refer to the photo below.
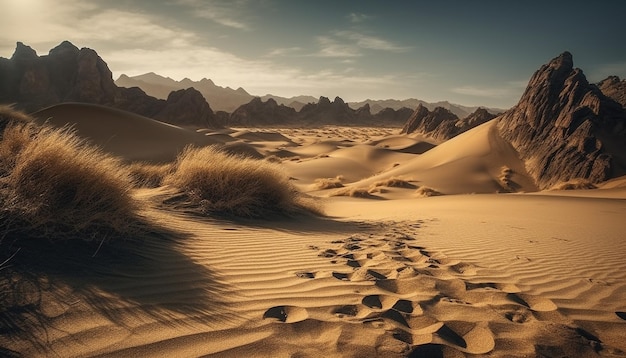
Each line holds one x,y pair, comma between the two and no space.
560,125
24,52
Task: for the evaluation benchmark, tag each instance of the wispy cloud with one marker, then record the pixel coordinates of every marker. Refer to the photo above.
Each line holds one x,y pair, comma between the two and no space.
356,17
225,13
345,44
371,42
331,47
285,51
507,90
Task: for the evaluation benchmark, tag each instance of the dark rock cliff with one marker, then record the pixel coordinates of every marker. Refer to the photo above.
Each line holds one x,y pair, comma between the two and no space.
69,74
564,128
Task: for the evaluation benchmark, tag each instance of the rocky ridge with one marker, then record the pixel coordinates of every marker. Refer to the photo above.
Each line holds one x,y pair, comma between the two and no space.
564,127
70,74
614,88
441,124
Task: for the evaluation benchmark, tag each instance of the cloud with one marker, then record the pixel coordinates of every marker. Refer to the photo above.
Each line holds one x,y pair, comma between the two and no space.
346,44
134,43
331,47
509,90
356,17
371,42
487,92
225,13
284,51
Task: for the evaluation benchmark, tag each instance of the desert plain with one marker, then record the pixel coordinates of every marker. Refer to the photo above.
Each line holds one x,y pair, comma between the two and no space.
407,247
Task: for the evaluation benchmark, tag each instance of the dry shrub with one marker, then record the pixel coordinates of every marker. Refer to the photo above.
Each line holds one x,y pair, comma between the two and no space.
394,183
274,159
217,182
59,188
505,178
574,184
9,115
426,191
328,183
148,175
353,192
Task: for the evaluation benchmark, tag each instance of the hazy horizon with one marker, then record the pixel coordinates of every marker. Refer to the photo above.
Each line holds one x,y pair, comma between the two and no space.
470,54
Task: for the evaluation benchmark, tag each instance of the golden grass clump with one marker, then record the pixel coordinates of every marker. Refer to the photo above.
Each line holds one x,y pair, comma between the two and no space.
427,191
354,192
328,183
218,182
505,178
146,175
574,184
394,183
57,187
9,115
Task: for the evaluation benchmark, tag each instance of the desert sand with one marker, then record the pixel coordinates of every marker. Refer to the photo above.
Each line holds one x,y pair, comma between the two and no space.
488,267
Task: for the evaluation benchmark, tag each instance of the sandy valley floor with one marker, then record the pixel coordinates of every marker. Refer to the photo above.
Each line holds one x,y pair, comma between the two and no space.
489,268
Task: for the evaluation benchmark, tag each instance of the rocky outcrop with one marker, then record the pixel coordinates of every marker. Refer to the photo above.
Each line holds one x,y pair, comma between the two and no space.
614,88
392,116
434,124
257,112
478,117
441,124
69,74
187,107
565,128
325,111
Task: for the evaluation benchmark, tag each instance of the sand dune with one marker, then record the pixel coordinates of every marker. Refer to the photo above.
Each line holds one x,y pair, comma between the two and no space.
124,134
498,275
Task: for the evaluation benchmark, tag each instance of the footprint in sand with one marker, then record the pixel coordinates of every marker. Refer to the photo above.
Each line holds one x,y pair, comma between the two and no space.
364,274
467,337
535,303
303,274
518,316
287,314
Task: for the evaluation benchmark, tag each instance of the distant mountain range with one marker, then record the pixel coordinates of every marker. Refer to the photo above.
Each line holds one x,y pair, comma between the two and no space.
228,99
562,128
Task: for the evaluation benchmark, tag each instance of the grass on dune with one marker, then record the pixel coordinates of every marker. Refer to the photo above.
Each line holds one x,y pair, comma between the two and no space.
56,187
147,175
218,182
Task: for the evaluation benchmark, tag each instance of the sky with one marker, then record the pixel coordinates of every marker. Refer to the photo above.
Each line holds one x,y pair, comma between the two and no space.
470,52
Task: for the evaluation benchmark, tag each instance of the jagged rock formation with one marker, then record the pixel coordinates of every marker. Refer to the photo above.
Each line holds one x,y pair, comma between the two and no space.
441,124
69,74
392,116
187,107
459,110
564,128
475,119
614,88
257,112
325,111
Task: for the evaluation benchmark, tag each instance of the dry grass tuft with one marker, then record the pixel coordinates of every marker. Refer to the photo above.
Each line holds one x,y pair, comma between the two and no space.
504,179
328,183
9,116
146,175
217,182
395,183
59,188
274,159
426,191
354,192
574,184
